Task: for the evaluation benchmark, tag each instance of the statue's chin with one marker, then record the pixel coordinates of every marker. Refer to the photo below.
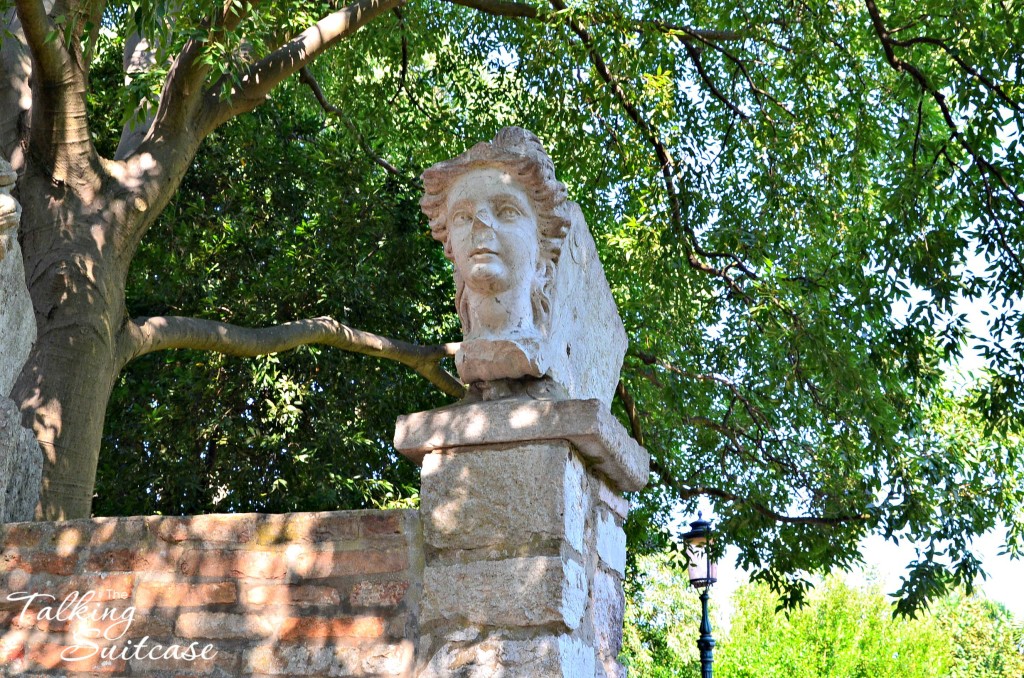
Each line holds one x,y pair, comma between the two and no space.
490,277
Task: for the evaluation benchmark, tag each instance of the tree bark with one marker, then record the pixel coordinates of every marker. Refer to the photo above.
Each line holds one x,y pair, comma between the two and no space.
77,288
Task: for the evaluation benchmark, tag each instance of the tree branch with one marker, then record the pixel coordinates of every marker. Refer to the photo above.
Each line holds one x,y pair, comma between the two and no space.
959,61
263,76
48,56
685,492
147,335
694,56
521,10
507,8
306,77
631,412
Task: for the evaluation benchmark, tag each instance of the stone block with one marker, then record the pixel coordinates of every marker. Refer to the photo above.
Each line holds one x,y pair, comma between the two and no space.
608,605
515,592
559,656
611,542
509,498
378,593
291,659
615,502
587,424
17,318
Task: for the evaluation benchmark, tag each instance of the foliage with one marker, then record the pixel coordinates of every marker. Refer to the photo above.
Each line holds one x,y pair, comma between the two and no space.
986,639
662,613
842,631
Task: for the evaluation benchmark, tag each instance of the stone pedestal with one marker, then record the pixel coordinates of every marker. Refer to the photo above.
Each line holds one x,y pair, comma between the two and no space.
524,547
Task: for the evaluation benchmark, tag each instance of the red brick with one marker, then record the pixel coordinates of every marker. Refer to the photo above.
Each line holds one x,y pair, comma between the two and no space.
382,523
322,564
118,625
210,529
169,529
298,628
67,538
24,534
225,564
378,593
119,560
27,619
283,594
48,656
174,595
14,559
15,580
129,531
310,528
214,625
147,624
54,564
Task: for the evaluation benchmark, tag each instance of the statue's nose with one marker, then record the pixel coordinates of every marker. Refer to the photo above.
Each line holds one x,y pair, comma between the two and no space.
483,226
483,218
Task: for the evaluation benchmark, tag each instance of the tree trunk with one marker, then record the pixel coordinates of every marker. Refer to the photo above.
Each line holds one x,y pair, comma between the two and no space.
76,281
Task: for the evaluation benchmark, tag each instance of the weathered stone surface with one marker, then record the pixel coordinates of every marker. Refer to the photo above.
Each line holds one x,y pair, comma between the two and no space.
618,504
513,592
608,605
474,500
530,290
587,424
21,466
611,542
550,656
17,321
20,457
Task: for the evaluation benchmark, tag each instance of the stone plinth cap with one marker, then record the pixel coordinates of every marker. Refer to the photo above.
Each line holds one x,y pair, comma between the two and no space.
587,424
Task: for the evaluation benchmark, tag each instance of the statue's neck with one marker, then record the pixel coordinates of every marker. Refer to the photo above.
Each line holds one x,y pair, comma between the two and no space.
507,315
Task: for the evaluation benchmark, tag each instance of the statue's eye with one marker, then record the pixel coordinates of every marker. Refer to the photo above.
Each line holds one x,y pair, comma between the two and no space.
461,219
509,212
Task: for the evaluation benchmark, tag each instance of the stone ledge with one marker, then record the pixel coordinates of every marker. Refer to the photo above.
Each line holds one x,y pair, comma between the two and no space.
587,424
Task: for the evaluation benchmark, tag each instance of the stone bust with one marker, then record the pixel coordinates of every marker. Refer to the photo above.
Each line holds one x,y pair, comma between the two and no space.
538,318
502,217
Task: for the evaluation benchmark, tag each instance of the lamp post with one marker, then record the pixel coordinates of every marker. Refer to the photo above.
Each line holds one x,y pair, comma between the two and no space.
703,572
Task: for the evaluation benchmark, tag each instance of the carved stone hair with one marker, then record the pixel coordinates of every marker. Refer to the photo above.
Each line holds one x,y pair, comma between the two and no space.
519,153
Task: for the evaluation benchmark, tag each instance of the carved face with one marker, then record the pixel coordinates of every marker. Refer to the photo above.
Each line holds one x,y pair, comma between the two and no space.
493,232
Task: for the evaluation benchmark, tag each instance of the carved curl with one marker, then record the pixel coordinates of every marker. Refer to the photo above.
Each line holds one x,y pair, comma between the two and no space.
519,153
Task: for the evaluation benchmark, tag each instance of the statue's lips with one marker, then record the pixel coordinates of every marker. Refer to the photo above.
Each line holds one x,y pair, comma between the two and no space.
482,252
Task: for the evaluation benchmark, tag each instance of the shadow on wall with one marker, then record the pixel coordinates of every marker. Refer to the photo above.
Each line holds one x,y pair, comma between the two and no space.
308,594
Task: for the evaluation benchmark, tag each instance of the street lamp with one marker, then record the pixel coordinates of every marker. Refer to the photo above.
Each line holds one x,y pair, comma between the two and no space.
703,573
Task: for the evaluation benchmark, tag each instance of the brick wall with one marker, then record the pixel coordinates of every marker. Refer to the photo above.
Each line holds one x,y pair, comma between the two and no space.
306,594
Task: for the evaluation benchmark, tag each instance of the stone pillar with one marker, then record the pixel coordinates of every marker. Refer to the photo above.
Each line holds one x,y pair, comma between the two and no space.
524,548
